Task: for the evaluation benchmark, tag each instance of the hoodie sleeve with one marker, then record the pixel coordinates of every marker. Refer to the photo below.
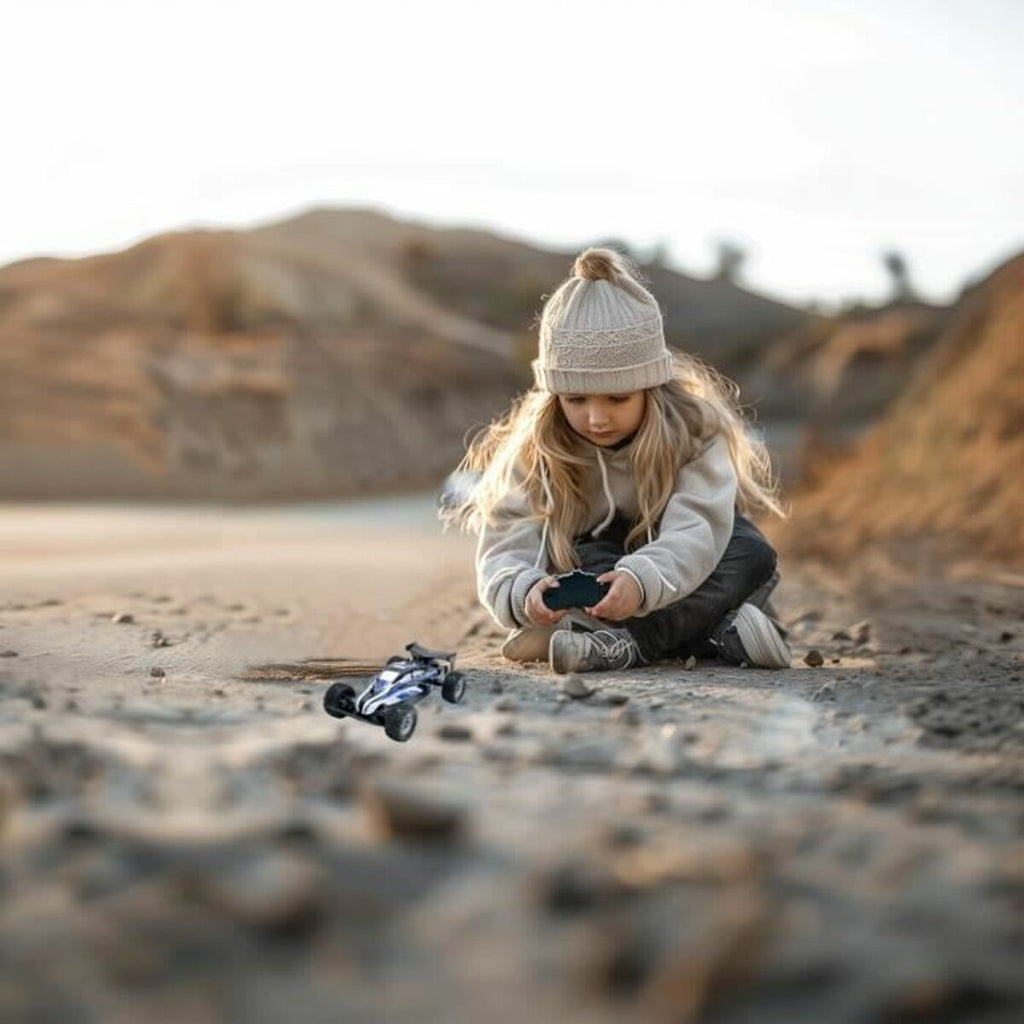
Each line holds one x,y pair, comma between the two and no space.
694,532
509,560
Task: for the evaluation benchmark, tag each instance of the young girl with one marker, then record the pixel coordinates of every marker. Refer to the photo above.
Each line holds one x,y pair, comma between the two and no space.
633,463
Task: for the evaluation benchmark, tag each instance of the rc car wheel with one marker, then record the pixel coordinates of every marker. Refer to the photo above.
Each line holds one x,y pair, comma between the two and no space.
400,722
453,689
339,700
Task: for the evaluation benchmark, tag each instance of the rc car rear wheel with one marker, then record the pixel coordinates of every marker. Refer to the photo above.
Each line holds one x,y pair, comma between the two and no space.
400,722
339,700
453,689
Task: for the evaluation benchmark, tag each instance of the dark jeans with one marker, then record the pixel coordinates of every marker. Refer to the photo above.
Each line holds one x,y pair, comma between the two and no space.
681,628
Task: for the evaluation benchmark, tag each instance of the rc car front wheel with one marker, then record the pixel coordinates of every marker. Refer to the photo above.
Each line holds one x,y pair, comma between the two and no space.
453,689
339,700
400,722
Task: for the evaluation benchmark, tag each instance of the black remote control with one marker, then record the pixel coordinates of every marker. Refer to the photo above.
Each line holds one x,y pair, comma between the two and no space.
576,589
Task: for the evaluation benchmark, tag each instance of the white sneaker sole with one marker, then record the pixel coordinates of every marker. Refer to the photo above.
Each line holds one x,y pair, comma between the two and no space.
760,639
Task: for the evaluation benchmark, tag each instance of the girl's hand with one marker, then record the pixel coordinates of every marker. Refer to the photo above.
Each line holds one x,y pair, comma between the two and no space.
538,613
623,599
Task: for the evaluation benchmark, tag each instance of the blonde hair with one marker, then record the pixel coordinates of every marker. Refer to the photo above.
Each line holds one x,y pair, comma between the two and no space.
533,448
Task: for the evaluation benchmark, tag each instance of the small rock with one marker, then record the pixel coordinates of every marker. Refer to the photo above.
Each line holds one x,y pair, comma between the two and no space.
627,716
575,686
455,731
71,704
496,686
929,805
399,811
159,640
813,658
656,802
38,702
8,654
277,893
506,704
122,618
656,705
576,886
843,634
1006,636
616,699
690,664
861,631
157,672
625,833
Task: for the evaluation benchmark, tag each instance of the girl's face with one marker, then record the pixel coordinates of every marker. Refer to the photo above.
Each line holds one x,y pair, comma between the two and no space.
604,419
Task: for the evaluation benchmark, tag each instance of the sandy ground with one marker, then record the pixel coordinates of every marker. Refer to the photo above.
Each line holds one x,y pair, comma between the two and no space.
185,834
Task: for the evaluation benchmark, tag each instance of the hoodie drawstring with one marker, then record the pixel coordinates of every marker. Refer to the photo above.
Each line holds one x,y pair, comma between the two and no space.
601,526
549,497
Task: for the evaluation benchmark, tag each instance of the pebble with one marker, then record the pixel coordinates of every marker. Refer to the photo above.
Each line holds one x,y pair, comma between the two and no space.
861,631
8,654
159,640
615,698
625,833
690,664
813,658
157,673
656,802
399,811
506,704
627,716
575,686
276,893
122,618
455,731
576,886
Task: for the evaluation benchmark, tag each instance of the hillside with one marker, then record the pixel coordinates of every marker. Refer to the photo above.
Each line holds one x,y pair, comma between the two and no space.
943,466
332,353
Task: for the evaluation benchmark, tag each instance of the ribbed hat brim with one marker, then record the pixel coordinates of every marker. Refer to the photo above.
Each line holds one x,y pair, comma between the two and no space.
622,379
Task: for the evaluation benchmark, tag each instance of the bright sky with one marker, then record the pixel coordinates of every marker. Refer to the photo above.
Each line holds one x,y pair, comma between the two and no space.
813,132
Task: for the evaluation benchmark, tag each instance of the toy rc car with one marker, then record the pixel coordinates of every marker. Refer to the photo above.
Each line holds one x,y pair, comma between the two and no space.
390,699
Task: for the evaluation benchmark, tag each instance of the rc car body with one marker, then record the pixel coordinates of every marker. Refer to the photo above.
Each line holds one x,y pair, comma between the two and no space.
391,697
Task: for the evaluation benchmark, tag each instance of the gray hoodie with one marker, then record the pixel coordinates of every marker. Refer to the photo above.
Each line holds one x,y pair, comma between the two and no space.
691,538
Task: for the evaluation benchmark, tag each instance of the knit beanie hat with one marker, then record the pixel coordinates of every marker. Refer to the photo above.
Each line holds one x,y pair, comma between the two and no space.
601,332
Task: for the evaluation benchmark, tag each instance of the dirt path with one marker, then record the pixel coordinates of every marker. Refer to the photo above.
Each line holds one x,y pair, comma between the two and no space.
840,843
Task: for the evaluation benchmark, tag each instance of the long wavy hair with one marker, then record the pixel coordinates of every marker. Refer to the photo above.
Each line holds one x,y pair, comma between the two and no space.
680,416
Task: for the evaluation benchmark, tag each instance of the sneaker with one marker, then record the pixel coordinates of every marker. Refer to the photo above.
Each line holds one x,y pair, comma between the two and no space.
749,637
762,598
530,643
600,651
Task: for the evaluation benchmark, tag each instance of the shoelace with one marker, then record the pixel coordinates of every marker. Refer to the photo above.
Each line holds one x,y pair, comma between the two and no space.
611,646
